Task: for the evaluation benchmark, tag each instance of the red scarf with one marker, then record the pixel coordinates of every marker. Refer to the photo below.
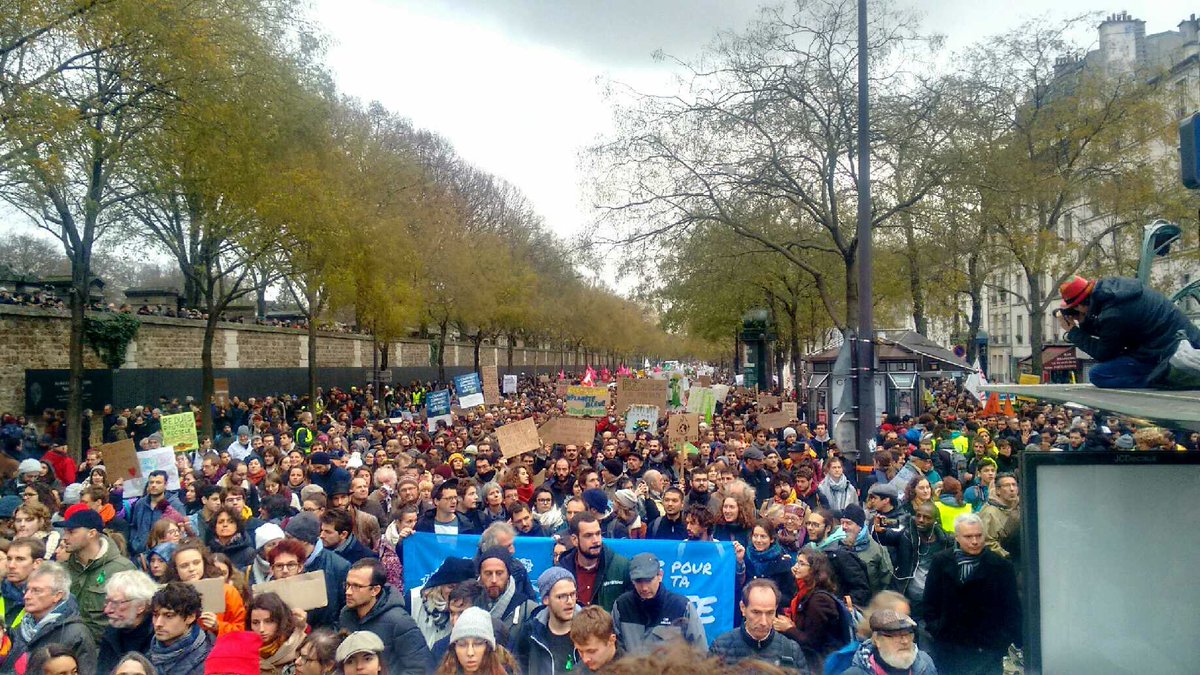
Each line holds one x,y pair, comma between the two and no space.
802,591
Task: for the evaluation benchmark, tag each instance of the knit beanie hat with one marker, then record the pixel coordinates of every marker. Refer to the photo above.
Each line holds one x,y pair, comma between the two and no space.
265,534
501,554
549,578
626,498
234,654
29,466
72,494
596,500
473,623
855,514
304,527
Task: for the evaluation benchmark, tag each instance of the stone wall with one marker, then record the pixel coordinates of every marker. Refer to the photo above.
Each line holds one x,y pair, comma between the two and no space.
165,359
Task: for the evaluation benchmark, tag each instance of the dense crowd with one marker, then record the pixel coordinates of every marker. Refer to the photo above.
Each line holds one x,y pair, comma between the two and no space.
908,564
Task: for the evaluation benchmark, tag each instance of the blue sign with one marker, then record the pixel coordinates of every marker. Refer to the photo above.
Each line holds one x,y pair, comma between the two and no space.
469,389
703,571
437,408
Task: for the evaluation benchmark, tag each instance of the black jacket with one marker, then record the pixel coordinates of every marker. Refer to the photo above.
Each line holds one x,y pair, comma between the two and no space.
1127,318
665,528
530,645
335,568
116,642
427,521
354,550
983,612
903,543
404,646
67,630
777,650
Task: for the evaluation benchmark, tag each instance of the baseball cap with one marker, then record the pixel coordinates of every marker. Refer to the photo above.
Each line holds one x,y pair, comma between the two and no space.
644,566
81,516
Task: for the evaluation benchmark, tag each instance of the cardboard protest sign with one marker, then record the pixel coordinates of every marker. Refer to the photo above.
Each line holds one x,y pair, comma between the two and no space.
776,420
704,380
703,401
221,390
560,389
302,592
743,391
518,438
587,401
568,431
179,432
491,385
159,459
469,389
721,392
767,401
510,384
790,408
543,379
683,428
437,409
121,460
641,418
632,391
212,594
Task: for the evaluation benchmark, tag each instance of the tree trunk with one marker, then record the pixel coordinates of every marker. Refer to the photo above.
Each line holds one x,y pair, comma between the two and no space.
79,294
441,360
795,347
1037,309
312,363
477,341
207,385
975,293
920,320
510,347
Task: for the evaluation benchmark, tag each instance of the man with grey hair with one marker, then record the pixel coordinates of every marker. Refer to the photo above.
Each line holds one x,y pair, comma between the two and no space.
127,606
51,616
971,606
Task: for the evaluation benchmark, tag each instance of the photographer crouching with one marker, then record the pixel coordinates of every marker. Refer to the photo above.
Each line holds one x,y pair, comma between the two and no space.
1129,328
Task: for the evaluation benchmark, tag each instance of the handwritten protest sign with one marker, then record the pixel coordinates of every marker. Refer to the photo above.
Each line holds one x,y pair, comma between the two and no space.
641,418
159,459
568,431
587,401
510,384
469,389
518,438
302,592
491,385
766,401
437,409
179,432
790,408
212,594
631,391
220,390
560,389
683,428
121,460
721,392
776,420
703,401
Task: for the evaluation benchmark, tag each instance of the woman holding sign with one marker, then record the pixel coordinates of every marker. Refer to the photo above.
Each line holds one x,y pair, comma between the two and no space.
191,563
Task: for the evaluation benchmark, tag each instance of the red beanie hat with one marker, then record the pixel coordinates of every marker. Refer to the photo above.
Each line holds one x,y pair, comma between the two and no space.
234,654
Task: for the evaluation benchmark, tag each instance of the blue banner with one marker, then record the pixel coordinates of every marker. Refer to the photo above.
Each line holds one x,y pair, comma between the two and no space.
437,409
703,571
469,389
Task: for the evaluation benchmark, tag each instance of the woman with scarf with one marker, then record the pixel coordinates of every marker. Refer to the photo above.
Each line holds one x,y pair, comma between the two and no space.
835,488
255,471
917,492
432,612
227,534
493,504
766,559
281,630
549,516
813,619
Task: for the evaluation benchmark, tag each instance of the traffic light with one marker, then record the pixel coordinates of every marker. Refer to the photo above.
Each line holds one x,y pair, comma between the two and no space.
1189,163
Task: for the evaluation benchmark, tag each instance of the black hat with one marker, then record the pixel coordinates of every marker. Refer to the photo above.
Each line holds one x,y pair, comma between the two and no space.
339,488
920,454
855,514
613,466
452,571
84,517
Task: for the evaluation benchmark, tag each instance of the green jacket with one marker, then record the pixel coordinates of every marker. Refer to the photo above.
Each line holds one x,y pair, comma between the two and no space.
88,582
612,576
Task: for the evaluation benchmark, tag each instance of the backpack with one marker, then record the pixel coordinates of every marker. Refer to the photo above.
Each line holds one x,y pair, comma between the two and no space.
851,573
847,620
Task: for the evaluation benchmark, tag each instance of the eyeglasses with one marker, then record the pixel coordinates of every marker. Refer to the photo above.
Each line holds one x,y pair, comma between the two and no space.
116,603
286,567
359,587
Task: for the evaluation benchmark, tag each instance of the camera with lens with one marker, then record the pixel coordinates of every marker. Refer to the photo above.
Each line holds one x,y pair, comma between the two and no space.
889,522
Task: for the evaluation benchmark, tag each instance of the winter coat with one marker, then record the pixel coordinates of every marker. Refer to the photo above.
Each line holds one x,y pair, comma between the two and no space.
905,545
239,549
735,645
530,646
63,626
143,516
1001,528
426,524
774,564
837,496
612,576
1127,318
818,622
861,662
404,647
992,617
644,625
335,568
283,661
879,563
88,582
353,550
116,642
665,528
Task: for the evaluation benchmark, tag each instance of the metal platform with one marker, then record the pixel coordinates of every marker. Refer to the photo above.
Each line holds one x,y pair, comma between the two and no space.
1174,409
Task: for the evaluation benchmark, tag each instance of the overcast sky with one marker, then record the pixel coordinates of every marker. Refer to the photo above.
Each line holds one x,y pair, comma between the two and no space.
515,84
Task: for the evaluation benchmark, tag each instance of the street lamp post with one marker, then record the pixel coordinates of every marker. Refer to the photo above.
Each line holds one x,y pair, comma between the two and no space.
864,335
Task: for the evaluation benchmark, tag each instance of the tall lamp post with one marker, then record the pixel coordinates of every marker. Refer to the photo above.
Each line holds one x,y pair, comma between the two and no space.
864,335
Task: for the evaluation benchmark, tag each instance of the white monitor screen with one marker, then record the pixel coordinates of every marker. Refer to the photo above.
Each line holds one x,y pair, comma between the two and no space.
1118,547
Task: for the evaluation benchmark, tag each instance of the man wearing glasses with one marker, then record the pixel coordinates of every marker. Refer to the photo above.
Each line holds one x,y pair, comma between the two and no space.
372,605
51,616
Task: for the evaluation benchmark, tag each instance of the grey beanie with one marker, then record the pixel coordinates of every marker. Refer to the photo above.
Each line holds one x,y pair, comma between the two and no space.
626,498
552,576
304,527
243,430
474,623
72,494
29,466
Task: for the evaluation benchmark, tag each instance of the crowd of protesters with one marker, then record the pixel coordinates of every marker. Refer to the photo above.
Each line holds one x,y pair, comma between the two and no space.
904,562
